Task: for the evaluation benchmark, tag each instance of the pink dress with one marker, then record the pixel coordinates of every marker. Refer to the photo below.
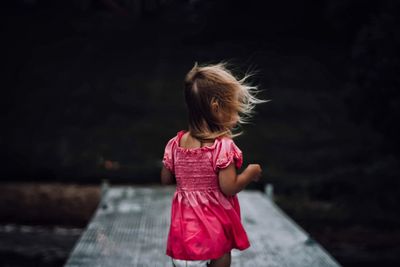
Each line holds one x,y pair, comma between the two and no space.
205,223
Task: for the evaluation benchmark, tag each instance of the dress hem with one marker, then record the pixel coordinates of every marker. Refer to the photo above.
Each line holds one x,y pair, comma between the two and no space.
212,257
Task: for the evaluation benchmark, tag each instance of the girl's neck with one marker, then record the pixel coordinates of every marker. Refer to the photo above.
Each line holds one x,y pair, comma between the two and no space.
208,136
188,141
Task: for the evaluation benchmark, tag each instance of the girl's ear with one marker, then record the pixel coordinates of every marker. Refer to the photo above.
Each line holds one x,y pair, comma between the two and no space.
214,106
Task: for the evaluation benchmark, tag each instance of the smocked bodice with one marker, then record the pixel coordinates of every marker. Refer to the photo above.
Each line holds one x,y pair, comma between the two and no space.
197,168
194,171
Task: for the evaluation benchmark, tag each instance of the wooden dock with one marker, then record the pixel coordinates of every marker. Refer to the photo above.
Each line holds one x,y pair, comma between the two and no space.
131,224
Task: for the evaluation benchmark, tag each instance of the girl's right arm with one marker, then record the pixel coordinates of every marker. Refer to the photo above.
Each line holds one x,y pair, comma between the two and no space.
166,176
232,183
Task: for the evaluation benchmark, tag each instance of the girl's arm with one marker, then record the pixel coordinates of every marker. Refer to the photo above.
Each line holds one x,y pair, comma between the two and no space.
232,183
166,176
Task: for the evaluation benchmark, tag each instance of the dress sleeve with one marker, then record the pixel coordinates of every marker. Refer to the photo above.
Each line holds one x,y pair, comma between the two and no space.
168,159
226,153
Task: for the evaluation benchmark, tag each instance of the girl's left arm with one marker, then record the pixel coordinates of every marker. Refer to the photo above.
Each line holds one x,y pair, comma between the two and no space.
166,176
232,183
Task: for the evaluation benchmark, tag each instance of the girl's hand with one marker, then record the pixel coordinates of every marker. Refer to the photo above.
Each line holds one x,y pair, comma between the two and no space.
256,171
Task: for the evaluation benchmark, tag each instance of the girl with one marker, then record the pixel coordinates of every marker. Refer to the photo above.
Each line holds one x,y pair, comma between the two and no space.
205,215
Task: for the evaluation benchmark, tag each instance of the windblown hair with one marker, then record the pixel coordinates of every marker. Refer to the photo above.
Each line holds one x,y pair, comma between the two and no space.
208,84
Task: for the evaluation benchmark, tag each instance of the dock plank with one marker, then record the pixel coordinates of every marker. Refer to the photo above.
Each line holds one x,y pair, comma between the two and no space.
130,228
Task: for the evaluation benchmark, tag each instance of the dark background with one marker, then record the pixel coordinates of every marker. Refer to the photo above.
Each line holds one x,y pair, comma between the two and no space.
92,90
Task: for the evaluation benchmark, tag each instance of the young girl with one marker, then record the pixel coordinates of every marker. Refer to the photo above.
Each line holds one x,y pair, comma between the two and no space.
205,215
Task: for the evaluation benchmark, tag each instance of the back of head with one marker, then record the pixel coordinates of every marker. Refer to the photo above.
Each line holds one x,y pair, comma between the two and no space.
213,96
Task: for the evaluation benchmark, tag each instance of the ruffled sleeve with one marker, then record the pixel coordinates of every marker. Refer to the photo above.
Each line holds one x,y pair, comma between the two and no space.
226,152
169,151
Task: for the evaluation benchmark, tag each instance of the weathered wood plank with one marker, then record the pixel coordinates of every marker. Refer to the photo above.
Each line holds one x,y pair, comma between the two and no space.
275,238
130,228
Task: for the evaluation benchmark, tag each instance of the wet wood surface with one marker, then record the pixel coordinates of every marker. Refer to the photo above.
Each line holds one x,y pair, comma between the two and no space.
131,224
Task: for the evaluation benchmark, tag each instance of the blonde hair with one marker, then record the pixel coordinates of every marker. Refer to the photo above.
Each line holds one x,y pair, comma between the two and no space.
208,84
